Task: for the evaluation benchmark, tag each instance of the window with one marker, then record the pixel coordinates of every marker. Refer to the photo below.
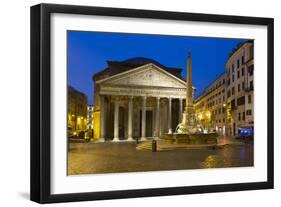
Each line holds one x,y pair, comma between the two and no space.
242,71
232,77
251,70
243,85
228,93
239,116
242,59
239,87
251,85
249,112
249,99
232,68
241,101
233,90
243,117
238,63
238,74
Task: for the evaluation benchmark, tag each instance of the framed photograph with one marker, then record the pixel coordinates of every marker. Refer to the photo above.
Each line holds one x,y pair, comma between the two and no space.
132,103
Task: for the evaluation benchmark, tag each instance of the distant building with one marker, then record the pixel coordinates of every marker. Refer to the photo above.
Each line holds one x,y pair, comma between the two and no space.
210,106
227,104
90,116
137,98
77,111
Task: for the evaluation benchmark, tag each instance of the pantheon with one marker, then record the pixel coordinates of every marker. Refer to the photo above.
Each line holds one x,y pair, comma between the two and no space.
137,98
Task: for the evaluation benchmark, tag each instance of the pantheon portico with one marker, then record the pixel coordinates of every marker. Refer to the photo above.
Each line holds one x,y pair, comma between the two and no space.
137,98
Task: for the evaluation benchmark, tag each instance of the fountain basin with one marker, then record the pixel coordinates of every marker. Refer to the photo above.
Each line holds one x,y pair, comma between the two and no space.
192,139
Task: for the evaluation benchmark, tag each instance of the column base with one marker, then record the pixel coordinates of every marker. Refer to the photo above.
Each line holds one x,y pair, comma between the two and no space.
143,139
170,131
101,140
116,139
130,139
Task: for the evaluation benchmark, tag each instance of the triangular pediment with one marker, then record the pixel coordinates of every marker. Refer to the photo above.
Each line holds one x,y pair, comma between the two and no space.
146,75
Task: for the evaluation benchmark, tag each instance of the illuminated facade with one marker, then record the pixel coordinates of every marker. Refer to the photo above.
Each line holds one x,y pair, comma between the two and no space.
77,110
90,116
240,88
137,98
210,106
227,104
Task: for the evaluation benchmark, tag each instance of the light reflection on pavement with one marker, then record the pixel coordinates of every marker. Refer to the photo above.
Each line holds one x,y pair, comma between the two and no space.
107,157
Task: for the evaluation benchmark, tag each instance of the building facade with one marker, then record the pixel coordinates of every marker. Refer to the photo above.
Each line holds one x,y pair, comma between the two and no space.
137,98
227,104
240,88
77,111
90,117
210,106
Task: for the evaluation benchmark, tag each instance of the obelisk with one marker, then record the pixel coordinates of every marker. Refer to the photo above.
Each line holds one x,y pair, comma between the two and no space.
188,124
189,89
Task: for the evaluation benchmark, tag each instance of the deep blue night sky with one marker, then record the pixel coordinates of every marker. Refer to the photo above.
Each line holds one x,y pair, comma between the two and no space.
89,51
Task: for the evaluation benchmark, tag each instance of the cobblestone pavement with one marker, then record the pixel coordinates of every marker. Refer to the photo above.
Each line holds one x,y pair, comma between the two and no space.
90,158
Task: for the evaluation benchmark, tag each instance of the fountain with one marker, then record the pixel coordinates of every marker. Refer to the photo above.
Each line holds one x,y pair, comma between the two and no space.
189,130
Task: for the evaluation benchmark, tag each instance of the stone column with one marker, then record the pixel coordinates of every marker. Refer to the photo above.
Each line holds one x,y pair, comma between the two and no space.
156,130
143,119
130,118
102,118
180,110
170,116
116,119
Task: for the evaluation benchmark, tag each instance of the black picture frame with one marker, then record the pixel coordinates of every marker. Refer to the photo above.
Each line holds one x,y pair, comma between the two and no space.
41,96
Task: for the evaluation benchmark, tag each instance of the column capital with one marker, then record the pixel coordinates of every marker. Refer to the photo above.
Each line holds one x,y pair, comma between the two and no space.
102,96
143,97
130,97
